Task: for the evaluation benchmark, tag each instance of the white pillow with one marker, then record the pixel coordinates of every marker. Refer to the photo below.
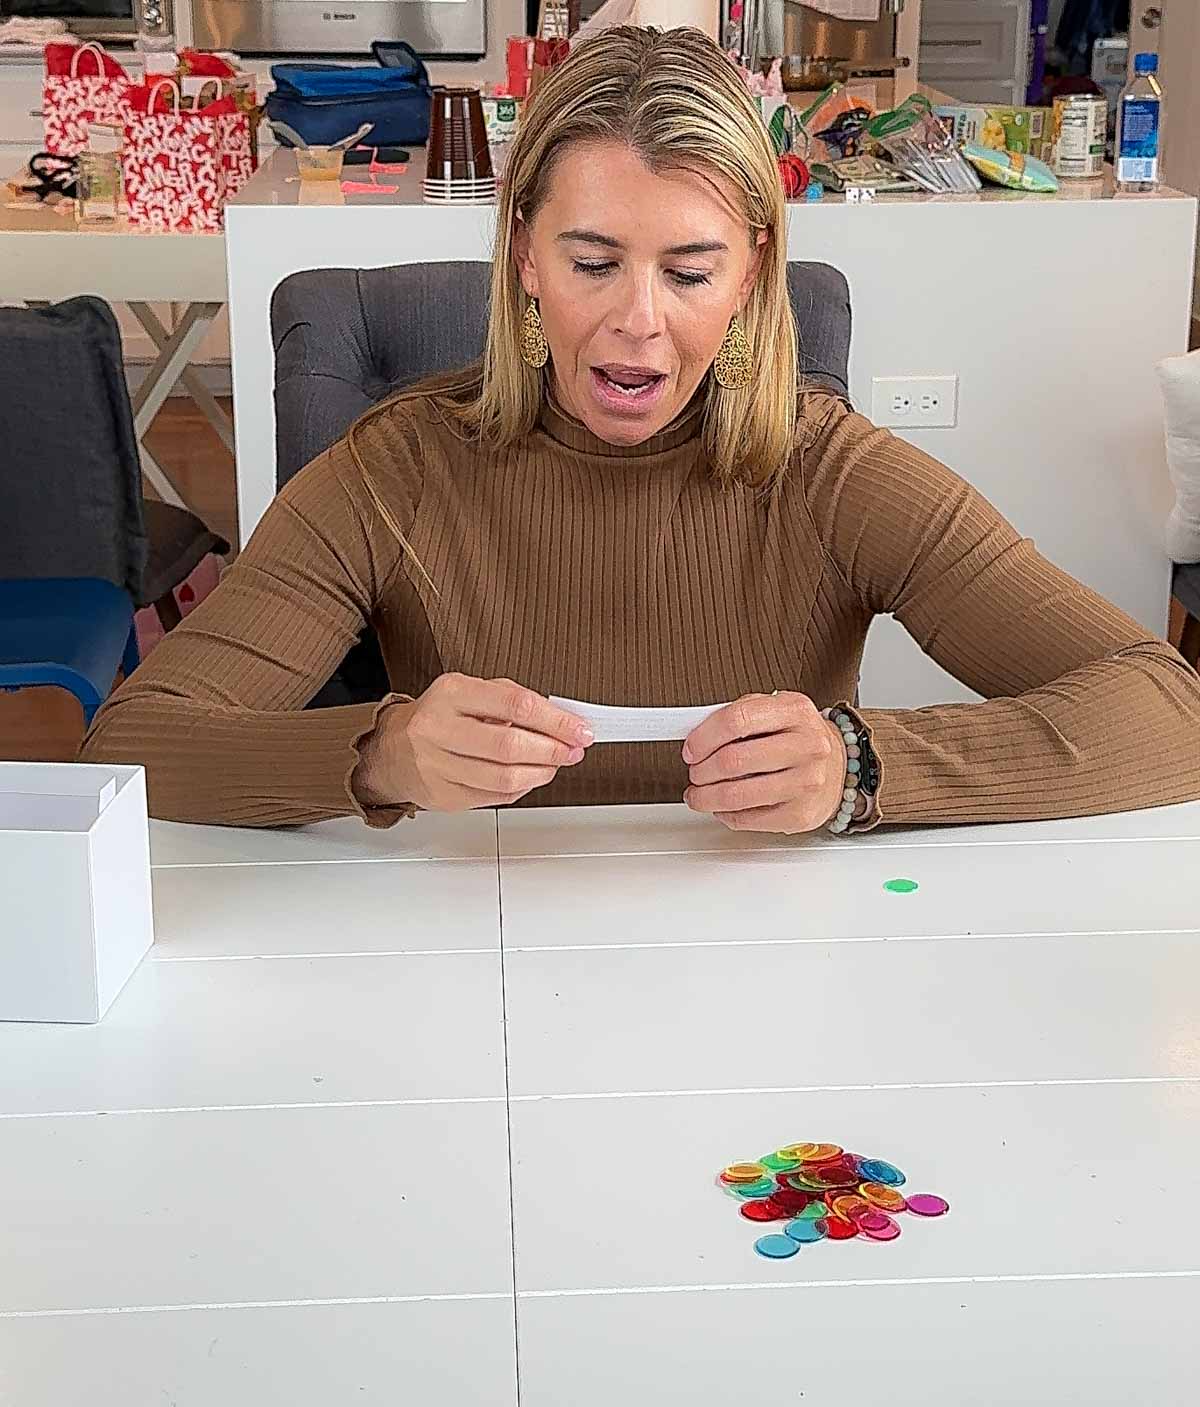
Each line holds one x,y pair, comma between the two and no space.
1179,378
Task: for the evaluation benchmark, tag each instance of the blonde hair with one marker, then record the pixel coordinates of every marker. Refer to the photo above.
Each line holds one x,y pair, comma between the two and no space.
679,103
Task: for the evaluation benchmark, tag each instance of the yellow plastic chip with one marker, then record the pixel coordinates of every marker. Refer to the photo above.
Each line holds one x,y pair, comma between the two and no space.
887,1199
744,1172
820,1153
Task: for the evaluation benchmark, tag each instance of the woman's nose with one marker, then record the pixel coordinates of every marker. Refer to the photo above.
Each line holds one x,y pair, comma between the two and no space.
639,311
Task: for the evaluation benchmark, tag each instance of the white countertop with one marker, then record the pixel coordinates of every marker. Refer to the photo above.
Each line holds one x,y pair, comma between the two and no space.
375,1092
277,185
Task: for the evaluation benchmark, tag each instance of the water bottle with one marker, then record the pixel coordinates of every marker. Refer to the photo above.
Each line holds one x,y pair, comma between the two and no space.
1139,127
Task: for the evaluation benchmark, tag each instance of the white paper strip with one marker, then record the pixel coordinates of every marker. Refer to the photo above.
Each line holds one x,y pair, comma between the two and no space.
637,725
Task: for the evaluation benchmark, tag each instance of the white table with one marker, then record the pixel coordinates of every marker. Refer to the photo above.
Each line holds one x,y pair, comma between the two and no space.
44,258
367,1079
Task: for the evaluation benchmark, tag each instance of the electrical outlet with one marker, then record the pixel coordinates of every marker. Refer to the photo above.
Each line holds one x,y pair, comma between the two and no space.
916,402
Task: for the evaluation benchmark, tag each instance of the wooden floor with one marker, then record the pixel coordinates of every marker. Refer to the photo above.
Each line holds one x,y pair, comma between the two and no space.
198,463
47,724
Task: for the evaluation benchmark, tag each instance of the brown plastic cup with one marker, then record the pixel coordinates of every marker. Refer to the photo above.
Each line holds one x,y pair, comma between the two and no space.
458,145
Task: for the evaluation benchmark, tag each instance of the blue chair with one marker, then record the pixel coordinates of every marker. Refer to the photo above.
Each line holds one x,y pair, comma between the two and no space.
79,548
66,631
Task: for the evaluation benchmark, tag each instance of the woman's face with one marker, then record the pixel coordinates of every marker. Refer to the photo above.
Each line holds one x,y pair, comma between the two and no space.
637,275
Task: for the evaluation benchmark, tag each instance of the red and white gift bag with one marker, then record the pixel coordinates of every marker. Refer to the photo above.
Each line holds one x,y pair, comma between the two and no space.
238,157
180,165
237,154
82,86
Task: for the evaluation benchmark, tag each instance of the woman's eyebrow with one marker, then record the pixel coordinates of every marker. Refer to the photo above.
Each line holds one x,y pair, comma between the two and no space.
699,246
591,237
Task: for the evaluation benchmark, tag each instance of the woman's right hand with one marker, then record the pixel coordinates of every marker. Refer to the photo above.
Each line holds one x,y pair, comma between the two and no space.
467,743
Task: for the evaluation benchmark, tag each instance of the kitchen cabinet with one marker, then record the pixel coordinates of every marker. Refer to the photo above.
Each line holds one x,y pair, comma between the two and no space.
976,50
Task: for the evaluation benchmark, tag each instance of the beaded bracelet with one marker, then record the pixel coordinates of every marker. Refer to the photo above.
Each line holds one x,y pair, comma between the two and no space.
857,751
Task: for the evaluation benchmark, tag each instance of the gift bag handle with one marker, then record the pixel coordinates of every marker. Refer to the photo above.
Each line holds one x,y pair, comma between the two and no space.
216,82
90,48
163,83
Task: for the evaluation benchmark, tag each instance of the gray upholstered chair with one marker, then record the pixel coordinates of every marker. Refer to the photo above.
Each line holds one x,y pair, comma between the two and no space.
347,338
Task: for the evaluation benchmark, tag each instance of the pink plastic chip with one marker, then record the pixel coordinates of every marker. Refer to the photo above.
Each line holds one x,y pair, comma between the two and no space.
927,1204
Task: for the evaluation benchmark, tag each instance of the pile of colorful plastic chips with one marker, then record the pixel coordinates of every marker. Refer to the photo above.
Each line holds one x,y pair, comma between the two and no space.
823,1193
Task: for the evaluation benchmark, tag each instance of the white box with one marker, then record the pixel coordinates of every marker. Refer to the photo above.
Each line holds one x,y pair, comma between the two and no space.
75,908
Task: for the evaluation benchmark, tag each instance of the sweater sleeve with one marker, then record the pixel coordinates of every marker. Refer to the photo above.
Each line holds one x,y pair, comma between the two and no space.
1084,711
216,713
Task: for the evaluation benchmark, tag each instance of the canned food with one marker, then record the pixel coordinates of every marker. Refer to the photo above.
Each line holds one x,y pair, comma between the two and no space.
500,119
500,122
1080,130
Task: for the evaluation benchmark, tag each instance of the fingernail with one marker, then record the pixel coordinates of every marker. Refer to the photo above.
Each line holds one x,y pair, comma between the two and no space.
575,755
585,735
687,754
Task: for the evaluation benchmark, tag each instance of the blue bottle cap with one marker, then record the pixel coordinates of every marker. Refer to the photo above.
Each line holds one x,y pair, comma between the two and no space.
1145,63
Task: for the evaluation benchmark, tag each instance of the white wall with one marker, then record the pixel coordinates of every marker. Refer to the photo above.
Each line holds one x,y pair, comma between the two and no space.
504,17
1179,59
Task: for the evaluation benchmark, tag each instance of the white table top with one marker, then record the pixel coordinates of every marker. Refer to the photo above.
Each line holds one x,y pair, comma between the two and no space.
45,256
376,1096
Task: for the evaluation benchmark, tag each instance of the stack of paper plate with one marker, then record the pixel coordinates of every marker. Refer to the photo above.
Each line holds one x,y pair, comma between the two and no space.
480,190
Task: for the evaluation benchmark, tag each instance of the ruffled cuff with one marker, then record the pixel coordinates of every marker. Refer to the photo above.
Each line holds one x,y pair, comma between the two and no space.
377,817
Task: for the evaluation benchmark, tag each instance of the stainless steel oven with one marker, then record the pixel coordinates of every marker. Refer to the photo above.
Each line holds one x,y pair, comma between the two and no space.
91,19
435,28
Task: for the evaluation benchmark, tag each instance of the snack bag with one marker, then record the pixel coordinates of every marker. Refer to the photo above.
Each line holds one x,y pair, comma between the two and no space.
835,124
921,147
1011,168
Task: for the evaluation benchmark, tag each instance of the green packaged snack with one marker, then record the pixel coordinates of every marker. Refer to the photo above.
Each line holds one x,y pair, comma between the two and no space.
1011,168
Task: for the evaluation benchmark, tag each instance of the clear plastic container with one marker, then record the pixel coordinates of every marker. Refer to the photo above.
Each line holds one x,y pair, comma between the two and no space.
98,187
320,163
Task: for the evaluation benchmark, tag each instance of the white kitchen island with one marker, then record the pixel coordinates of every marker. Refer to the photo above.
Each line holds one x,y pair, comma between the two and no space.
1051,312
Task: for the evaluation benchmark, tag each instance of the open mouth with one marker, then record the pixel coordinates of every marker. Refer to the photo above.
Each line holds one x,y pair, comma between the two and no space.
630,386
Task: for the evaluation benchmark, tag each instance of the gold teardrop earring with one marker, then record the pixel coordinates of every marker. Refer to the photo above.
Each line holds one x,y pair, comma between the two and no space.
733,365
535,350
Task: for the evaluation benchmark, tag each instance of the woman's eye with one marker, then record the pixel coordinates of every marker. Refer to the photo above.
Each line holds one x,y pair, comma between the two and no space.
594,268
690,278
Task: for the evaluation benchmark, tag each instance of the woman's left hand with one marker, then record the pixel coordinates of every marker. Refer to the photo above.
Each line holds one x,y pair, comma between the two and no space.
767,762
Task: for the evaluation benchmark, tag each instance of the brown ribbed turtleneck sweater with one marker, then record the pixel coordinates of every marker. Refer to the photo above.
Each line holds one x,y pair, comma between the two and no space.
632,577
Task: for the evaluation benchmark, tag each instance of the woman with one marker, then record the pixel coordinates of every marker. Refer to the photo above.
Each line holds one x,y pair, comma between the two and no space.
631,502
